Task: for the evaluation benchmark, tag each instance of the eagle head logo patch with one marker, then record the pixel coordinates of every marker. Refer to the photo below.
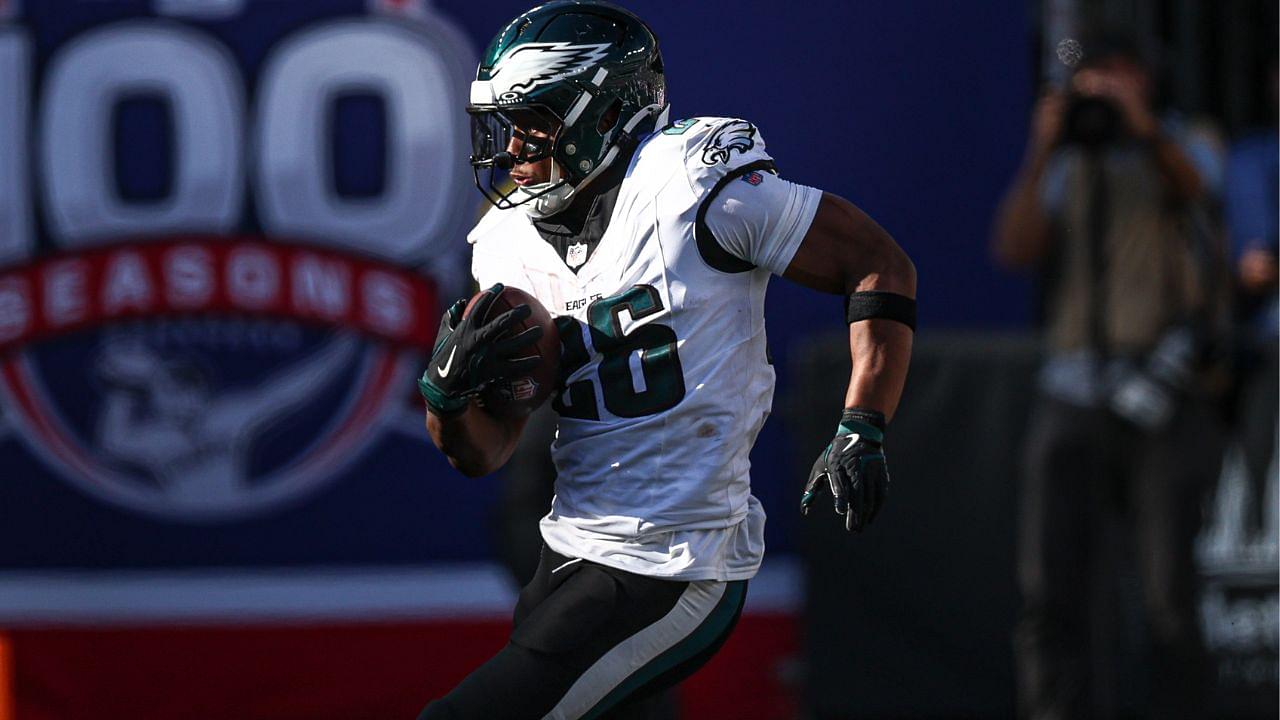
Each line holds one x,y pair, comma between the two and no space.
738,135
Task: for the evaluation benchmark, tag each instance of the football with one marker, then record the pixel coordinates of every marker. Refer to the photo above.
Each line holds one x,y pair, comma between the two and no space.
517,397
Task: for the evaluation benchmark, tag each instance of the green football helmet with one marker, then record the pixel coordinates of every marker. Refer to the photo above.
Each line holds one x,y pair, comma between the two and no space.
587,73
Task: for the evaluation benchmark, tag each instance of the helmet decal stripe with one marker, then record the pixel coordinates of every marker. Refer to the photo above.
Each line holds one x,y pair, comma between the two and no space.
576,110
529,66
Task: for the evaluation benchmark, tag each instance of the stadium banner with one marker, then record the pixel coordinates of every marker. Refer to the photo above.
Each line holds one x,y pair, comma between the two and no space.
224,227
224,231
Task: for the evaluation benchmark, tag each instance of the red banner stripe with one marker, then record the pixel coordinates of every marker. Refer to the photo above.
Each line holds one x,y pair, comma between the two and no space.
214,276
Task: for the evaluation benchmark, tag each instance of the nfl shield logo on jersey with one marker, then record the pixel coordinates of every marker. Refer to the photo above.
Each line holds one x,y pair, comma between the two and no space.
576,255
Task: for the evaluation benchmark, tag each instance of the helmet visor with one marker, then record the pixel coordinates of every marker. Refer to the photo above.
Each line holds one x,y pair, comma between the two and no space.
509,136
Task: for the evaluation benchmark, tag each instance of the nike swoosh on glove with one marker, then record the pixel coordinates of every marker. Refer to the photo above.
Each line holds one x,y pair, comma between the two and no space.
468,355
853,468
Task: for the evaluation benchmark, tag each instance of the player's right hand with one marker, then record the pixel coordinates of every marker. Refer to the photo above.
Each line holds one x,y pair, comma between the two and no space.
470,354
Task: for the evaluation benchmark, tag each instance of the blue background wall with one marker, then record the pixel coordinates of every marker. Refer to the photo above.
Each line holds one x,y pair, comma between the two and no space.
916,111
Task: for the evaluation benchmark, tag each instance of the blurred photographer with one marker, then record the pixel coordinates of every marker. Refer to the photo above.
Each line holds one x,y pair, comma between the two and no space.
1109,209
1251,205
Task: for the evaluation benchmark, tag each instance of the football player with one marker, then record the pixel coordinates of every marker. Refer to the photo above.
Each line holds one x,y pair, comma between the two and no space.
654,242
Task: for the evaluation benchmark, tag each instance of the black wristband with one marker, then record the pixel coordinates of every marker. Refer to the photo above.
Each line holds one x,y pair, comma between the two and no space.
873,304
874,418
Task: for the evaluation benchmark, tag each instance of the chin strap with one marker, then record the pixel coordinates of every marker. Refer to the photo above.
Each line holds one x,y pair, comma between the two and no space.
550,197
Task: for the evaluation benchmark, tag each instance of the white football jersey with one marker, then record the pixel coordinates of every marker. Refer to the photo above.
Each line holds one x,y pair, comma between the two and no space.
664,342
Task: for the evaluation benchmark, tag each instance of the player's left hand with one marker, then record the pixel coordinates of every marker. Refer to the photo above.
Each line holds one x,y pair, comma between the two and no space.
853,469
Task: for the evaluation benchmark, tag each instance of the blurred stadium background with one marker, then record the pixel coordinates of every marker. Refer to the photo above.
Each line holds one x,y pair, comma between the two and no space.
226,227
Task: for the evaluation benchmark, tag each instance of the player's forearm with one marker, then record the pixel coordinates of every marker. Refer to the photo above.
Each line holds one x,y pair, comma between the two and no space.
880,348
468,440
881,352
847,252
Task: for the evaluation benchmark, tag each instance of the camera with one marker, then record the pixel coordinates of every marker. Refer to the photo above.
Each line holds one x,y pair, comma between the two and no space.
1091,121
1149,395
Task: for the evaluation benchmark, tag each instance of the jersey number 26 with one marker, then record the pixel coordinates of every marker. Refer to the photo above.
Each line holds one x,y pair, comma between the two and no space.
663,378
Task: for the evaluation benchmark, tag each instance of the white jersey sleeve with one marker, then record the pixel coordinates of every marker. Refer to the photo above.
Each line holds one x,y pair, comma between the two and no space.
747,216
762,219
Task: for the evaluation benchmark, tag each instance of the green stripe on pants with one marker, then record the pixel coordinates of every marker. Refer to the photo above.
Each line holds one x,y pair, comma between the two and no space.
717,622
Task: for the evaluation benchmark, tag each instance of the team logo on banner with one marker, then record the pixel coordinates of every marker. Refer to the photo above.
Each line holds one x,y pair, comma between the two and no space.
217,319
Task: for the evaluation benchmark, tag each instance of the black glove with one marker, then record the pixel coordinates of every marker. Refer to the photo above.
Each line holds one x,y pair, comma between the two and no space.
853,468
468,355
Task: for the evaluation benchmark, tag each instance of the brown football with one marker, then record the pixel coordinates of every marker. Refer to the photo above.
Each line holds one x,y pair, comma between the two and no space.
517,397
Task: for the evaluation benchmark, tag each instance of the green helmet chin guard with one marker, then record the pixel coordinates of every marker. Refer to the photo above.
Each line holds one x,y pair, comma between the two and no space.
585,72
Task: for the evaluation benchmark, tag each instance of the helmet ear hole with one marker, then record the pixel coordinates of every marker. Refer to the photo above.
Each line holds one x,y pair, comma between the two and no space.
609,117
